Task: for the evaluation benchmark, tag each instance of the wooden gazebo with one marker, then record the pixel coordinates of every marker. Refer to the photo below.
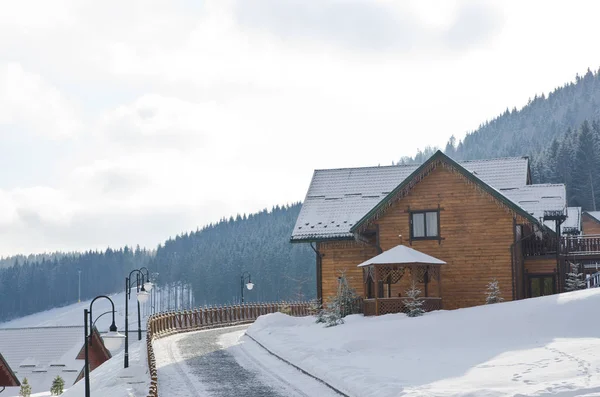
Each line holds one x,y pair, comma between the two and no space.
388,275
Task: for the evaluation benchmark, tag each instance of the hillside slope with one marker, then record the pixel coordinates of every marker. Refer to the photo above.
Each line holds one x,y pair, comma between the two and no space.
545,346
213,259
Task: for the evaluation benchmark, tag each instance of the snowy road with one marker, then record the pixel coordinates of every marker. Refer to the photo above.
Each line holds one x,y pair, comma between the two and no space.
223,362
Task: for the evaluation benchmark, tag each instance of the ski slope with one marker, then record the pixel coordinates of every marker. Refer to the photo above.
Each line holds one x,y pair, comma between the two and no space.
73,315
548,346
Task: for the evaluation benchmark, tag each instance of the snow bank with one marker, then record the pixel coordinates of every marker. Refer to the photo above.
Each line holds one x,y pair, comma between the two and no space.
111,379
534,347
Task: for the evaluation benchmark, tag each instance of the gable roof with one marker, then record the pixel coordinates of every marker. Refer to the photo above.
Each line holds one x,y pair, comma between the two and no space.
595,215
96,338
42,353
13,381
338,198
401,254
413,179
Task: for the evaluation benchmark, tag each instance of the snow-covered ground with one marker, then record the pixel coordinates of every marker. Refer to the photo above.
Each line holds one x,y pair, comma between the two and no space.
224,363
73,315
112,380
547,346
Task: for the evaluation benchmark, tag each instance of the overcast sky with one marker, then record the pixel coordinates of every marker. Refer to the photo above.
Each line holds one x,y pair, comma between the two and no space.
127,122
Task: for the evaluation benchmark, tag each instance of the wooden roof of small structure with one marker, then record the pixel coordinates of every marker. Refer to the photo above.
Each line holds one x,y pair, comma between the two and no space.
402,255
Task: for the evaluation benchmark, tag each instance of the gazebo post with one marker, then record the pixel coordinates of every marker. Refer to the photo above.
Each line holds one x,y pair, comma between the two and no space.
376,282
439,283
425,280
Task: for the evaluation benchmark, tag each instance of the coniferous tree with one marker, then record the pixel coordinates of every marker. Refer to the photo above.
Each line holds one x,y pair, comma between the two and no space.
58,385
25,389
587,167
414,304
575,280
493,294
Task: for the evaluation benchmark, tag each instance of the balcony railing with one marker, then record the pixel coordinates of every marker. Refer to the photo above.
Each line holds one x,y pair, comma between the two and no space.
569,245
582,245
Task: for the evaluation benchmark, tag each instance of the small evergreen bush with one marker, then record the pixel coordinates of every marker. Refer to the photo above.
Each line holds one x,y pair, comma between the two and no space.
414,304
58,385
575,280
25,389
493,294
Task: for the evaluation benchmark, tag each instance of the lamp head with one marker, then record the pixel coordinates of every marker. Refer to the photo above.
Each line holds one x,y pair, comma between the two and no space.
113,340
148,286
143,296
250,285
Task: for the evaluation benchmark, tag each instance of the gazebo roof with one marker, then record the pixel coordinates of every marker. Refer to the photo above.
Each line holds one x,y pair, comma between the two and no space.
401,254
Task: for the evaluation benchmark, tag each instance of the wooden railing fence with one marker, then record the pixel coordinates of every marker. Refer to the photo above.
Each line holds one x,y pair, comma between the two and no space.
165,324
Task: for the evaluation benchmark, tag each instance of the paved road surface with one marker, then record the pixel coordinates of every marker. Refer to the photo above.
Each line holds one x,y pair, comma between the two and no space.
224,363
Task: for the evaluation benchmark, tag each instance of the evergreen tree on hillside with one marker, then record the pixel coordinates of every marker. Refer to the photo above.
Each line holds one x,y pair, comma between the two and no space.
552,131
586,176
212,259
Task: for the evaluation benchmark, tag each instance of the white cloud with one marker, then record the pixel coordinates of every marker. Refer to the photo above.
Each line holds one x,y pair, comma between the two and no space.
29,103
128,122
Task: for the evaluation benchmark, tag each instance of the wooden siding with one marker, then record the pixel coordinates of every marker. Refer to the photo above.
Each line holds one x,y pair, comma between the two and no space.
590,225
476,231
343,256
540,265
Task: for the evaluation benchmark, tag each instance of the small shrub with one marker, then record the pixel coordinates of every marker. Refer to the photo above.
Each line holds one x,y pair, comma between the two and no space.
58,385
285,309
575,280
493,294
414,304
25,389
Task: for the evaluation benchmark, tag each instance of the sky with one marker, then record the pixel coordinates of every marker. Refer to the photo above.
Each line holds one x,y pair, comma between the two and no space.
127,122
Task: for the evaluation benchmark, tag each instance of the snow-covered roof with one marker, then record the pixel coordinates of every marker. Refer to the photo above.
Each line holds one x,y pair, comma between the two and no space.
401,254
338,198
594,214
39,354
535,199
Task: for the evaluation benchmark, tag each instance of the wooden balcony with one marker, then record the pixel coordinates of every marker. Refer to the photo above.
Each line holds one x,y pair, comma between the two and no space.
379,306
569,245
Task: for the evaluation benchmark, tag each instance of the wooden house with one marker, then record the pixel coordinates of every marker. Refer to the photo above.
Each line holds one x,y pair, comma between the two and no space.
7,376
41,353
484,219
591,222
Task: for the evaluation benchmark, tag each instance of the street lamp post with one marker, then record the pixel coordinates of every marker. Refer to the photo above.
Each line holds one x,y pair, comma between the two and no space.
142,297
249,284
112,340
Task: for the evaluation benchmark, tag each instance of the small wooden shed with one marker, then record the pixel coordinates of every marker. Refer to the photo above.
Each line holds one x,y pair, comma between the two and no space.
389,268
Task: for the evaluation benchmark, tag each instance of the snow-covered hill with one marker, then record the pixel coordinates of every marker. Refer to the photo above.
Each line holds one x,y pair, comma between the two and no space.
547,346
73,315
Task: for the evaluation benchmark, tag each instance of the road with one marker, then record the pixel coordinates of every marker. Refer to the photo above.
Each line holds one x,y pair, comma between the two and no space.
225,363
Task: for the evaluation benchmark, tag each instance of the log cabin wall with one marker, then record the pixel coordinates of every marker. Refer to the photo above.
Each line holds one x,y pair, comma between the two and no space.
476,231
590,225
343,256
540,265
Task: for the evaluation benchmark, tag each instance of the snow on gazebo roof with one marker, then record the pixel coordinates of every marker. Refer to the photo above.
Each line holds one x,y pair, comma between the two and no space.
401,254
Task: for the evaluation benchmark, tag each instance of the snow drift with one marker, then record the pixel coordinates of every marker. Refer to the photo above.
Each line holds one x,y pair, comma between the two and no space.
535,347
